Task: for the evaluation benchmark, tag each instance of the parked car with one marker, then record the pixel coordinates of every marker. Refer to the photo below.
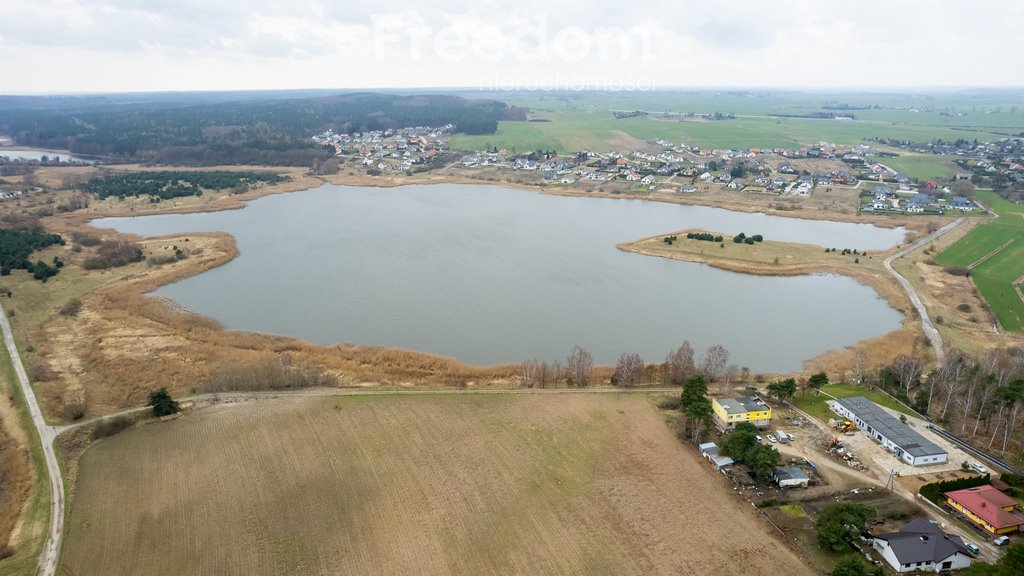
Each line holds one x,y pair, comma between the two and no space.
1001,541
981,469
772,439
973,548
759,439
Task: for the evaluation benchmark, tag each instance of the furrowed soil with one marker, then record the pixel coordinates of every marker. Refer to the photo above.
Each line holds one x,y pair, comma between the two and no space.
471,484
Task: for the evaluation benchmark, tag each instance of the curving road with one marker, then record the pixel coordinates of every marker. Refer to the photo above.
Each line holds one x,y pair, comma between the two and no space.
51,552
926,323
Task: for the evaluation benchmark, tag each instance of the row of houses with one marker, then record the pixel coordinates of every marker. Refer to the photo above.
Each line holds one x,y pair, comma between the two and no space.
888,200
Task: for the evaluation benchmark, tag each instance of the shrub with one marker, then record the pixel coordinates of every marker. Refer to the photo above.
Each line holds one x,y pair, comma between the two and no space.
268,375
161,259
113,253
7,552
935,490
957,270
110,427
86,239
39,373
670,403
72,308
965,307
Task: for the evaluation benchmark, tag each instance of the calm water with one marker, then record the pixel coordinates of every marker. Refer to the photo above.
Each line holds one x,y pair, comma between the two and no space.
490,275
38,155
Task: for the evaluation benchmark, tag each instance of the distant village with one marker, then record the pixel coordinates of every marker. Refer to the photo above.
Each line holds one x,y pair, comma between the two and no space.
684,169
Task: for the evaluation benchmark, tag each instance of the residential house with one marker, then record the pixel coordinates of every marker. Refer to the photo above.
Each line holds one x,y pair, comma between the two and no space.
922,546
961,203
728,412
688,188
987,508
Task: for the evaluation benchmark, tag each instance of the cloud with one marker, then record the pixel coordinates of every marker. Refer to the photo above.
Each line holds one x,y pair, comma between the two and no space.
320,43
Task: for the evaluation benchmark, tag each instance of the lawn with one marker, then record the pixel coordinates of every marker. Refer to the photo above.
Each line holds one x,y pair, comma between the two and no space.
995,277
923,166
816,406
432,484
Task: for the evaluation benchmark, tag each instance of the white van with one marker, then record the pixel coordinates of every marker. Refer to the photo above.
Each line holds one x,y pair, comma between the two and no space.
1001,541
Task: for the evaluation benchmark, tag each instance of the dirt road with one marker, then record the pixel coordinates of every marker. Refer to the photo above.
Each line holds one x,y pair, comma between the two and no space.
926,322
51,551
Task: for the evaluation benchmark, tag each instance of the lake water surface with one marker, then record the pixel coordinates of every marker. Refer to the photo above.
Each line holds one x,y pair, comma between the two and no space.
491,275
38,155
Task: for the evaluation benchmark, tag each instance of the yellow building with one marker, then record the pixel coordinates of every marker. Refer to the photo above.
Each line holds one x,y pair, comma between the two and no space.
987,508
728,412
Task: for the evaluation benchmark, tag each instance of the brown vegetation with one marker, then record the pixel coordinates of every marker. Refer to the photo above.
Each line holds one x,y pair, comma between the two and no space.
520,484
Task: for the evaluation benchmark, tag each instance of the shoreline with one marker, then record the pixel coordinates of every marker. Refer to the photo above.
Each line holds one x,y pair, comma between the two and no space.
377,366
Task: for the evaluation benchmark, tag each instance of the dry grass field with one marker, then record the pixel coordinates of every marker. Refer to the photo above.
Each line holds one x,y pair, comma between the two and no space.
432,484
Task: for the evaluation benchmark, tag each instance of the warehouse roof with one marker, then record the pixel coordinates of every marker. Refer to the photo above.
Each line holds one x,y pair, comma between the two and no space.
887,425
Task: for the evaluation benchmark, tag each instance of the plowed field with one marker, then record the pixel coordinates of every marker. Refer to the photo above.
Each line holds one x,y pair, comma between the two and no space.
473,484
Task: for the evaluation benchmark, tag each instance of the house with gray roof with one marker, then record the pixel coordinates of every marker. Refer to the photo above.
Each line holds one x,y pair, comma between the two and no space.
922,546
897,437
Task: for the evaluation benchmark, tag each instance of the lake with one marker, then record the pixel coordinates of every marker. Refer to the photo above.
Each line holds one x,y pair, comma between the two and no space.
38,155
492,275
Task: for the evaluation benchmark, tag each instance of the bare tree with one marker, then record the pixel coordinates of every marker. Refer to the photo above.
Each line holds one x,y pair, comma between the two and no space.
713,363
860,364
949,377
982,392
529,373
908,370
579,365
728,378
679,364
629,370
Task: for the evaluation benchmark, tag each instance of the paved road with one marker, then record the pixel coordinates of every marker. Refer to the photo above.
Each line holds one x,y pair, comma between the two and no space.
926,322
51,552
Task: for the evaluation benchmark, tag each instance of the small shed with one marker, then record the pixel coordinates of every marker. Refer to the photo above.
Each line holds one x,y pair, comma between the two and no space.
789,476
710,450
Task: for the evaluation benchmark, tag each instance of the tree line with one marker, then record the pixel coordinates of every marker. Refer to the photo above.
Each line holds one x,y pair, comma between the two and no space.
186,129
166,184
631,370
975,396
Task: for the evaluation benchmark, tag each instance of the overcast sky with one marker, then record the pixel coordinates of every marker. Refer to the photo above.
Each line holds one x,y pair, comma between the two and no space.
156,45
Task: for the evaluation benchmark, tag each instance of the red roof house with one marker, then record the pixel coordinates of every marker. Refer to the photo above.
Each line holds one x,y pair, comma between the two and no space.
988,508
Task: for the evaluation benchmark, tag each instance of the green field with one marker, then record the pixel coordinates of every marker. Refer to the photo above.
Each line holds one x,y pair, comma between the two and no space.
816,406
584,120
995,277
924,166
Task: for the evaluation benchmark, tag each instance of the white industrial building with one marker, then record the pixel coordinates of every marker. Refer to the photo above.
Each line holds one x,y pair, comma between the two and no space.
895,436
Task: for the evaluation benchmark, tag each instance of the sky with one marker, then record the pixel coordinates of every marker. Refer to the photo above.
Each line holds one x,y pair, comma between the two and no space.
74,46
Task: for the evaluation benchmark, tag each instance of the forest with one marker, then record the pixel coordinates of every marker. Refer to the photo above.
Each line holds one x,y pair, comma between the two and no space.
180,130
167,184
17,245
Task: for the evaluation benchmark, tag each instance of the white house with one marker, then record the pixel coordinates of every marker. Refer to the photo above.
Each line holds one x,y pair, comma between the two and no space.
922,546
